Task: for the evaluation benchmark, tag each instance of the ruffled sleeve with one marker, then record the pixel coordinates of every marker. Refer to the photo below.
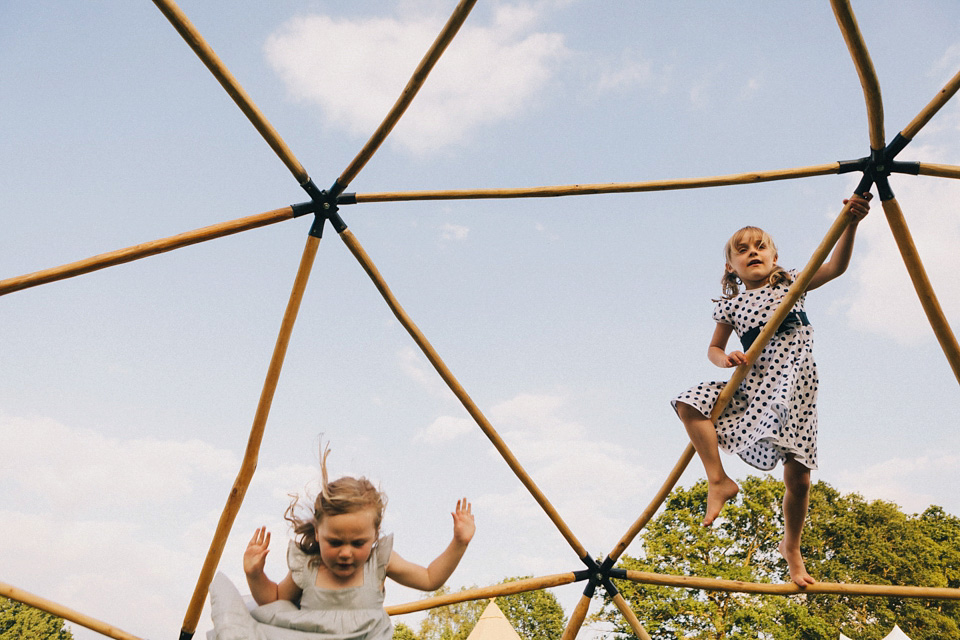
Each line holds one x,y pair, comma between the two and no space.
384,549
298,562
720,311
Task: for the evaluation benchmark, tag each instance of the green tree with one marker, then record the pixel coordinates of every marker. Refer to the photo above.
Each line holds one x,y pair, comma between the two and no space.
452,622
536,615
403,632
847,539
21,622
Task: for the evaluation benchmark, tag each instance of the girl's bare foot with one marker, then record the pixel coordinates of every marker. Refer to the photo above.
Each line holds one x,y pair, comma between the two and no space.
717,496
798,571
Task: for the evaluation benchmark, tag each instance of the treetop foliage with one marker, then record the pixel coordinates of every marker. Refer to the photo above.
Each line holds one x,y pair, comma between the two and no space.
846,539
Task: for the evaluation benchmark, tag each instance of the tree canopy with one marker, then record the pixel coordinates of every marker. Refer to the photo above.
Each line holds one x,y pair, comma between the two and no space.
846,539
21,622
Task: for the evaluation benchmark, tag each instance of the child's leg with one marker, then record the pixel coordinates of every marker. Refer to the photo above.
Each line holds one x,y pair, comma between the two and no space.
703,435
796,499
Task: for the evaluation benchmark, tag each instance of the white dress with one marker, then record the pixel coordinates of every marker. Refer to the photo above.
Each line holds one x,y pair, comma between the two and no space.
354,613
773,413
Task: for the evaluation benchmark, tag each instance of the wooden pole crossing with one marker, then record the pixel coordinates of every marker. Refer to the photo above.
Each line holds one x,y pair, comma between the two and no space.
35,601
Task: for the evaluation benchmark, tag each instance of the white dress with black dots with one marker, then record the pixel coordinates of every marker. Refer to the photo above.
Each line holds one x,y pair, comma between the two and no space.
773,413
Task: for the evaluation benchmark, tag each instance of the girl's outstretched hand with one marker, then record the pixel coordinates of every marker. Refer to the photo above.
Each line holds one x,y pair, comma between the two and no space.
255,557
463,525
859,205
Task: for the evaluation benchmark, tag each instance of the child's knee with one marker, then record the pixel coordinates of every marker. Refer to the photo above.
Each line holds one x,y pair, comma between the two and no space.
688,413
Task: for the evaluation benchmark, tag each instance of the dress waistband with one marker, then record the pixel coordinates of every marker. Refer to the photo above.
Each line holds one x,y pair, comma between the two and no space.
793,318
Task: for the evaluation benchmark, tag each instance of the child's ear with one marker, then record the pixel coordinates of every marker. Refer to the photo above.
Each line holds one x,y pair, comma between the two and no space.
728,268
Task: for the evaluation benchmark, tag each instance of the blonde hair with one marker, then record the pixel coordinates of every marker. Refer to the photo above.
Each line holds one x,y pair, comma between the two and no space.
343,495
730,281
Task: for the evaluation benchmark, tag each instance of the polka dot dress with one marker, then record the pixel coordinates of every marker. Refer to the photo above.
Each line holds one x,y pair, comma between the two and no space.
773,413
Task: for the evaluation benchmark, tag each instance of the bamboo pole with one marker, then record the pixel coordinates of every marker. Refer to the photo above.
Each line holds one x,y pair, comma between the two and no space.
249,464
931,109
206,54
350,240
144,250
928,299
577,616
939,170
631,617
864,65
788,589
753,177
414,85
479,593
35,601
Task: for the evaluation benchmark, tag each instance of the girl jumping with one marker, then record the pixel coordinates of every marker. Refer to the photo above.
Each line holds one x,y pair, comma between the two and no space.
772,416
334,588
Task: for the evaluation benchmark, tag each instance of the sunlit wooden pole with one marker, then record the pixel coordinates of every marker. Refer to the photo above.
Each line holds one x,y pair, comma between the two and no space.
865,70
414,85
790,589
577,616
753,177
506,589
209,58
250,456
921,283
146,249
35,601
948,91
939,170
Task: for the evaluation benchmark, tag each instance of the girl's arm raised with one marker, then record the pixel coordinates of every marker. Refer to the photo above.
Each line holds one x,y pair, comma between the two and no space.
434,576
840,258
263,589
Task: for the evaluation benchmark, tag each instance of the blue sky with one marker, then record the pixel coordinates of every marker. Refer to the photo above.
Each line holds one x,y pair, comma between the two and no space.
126,395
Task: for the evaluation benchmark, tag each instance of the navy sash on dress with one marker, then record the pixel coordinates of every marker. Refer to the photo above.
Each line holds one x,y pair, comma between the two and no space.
793,318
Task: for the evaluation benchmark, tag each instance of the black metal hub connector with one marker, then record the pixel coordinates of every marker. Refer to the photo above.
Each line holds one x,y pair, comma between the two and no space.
325,205
599,574
878,166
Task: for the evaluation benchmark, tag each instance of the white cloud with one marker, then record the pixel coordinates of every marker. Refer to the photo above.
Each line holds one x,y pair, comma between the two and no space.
70,468
445,429
450,231
630,71
356,69
905,481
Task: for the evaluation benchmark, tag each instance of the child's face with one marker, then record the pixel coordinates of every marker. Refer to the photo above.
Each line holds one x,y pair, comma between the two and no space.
346,541
753,260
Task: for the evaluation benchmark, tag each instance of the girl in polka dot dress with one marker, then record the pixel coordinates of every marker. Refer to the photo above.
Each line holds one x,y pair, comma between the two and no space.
772,416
